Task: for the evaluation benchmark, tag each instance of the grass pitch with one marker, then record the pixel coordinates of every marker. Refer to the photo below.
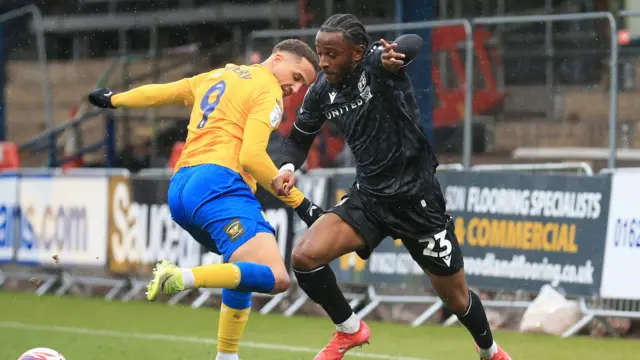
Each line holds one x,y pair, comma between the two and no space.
93,329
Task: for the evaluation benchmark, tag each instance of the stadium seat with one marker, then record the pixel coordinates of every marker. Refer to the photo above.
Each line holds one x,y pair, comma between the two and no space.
175,154
9,158
72,164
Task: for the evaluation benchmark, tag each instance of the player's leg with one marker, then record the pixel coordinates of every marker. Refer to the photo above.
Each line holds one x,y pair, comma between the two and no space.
252,244
236,305
344,229
268,275
260,267
441,258
234,315
234,308
216,201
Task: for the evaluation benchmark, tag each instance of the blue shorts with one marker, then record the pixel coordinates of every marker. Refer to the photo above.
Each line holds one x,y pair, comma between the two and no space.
216,207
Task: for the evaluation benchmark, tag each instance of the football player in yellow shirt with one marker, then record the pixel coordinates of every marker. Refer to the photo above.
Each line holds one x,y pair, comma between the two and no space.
211,196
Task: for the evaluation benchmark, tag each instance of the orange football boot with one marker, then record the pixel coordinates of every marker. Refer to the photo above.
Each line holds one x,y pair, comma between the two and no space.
343,342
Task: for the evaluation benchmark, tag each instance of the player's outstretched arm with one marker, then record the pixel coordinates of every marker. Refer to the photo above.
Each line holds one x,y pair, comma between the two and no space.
178,92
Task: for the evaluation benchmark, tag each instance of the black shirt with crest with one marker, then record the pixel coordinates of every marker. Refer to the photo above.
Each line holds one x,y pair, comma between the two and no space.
377,112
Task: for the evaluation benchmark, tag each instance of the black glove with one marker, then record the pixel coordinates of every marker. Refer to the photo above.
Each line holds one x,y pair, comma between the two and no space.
309,212
102,98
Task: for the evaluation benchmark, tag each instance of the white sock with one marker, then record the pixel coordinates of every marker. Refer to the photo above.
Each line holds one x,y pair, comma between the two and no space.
488,353
350,326
188,279
227,356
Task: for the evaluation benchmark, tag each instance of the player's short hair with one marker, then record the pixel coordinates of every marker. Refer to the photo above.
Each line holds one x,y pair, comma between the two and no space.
298,48
349,26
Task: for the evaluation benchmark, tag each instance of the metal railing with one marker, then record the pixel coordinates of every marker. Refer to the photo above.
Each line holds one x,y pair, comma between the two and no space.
613,61
580,167
469,68
48,140
468,80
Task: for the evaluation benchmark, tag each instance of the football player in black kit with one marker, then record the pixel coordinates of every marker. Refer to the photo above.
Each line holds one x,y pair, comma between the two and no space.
367,93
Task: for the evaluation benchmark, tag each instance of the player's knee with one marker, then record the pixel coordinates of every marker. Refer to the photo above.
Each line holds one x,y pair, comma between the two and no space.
282,282
456,299
304,259
457,302
305,255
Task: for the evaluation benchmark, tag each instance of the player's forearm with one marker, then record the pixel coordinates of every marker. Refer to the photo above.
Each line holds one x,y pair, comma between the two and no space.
296,147
260,166
153,95
255,160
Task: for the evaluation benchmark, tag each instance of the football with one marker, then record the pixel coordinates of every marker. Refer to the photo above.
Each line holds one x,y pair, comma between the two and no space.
41,354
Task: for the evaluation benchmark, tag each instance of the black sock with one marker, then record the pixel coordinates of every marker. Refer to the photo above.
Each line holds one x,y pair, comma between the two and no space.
322,287
475,320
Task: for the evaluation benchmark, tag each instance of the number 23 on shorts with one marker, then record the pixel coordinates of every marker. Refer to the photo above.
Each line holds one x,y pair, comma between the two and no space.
207,106
443,243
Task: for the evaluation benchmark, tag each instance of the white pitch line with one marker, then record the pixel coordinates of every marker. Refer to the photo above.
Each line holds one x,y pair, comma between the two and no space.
189,339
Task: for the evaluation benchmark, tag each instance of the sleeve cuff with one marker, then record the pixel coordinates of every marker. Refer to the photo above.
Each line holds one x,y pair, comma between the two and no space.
289,167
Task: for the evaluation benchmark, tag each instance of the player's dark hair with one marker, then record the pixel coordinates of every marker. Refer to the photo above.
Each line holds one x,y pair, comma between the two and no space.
349,26
298,48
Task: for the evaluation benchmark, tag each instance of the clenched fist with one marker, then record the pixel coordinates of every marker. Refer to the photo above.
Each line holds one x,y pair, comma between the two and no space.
102,98
284,182
391,59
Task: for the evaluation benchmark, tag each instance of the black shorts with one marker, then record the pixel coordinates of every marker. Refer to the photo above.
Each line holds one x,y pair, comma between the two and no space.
426,231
